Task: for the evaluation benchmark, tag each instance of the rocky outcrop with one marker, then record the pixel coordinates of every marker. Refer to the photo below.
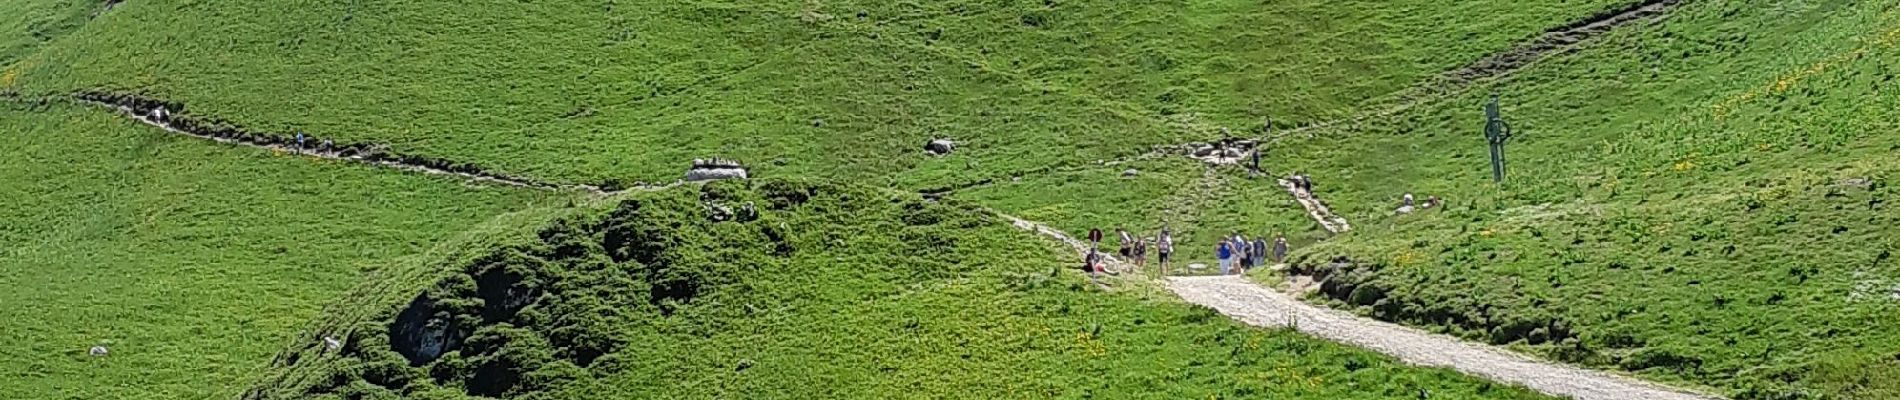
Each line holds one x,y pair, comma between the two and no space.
715,169
420,334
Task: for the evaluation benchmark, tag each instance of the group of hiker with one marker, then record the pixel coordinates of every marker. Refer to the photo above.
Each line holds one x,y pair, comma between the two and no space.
327,145
1132,248
1236,253
1407,205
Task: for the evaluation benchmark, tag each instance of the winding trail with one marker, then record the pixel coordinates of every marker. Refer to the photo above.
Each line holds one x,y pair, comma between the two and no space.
1317,209
1259,306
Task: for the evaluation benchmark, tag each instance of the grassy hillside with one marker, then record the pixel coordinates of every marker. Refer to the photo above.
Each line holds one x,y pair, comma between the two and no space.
850,89
786,289
1708,200
30,24
190,261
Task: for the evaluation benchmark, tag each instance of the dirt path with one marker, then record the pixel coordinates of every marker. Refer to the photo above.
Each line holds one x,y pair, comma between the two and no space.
1260,306
1317,209
169,117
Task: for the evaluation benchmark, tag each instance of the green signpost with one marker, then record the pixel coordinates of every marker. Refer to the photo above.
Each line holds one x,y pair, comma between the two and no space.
1496,132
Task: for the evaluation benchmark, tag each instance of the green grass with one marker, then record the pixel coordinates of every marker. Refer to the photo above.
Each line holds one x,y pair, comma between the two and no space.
1680,204
828,292
193,260
30,24
594,91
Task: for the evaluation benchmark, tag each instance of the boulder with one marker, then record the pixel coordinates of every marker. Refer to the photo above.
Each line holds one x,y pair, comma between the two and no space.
1131,172
939,147
420,334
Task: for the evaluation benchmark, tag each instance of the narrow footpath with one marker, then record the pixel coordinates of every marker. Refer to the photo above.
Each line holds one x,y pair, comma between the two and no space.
1317,209
1255,305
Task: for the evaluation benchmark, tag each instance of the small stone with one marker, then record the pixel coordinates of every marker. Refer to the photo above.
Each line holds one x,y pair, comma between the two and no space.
98,351
1130,172
332,343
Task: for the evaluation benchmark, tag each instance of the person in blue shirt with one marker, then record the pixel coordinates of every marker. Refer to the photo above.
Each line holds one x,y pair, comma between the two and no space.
1225,252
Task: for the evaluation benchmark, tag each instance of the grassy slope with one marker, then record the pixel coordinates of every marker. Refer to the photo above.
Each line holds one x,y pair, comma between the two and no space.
30,24
193,260
831,292
577,91
1680,203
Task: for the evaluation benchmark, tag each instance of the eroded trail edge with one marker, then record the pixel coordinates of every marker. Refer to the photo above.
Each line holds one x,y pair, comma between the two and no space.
171,117
1259,306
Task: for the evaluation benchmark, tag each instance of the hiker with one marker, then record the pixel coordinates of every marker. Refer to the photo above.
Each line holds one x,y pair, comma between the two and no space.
299,140
1088,264
1165,244
1127,248
1259,251
1225,253
1432,202
1141,253
1405,204
1240,251
1256,160
1095,239
1279,249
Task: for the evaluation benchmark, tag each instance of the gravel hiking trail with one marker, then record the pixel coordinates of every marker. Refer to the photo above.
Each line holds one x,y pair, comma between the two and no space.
1256,305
